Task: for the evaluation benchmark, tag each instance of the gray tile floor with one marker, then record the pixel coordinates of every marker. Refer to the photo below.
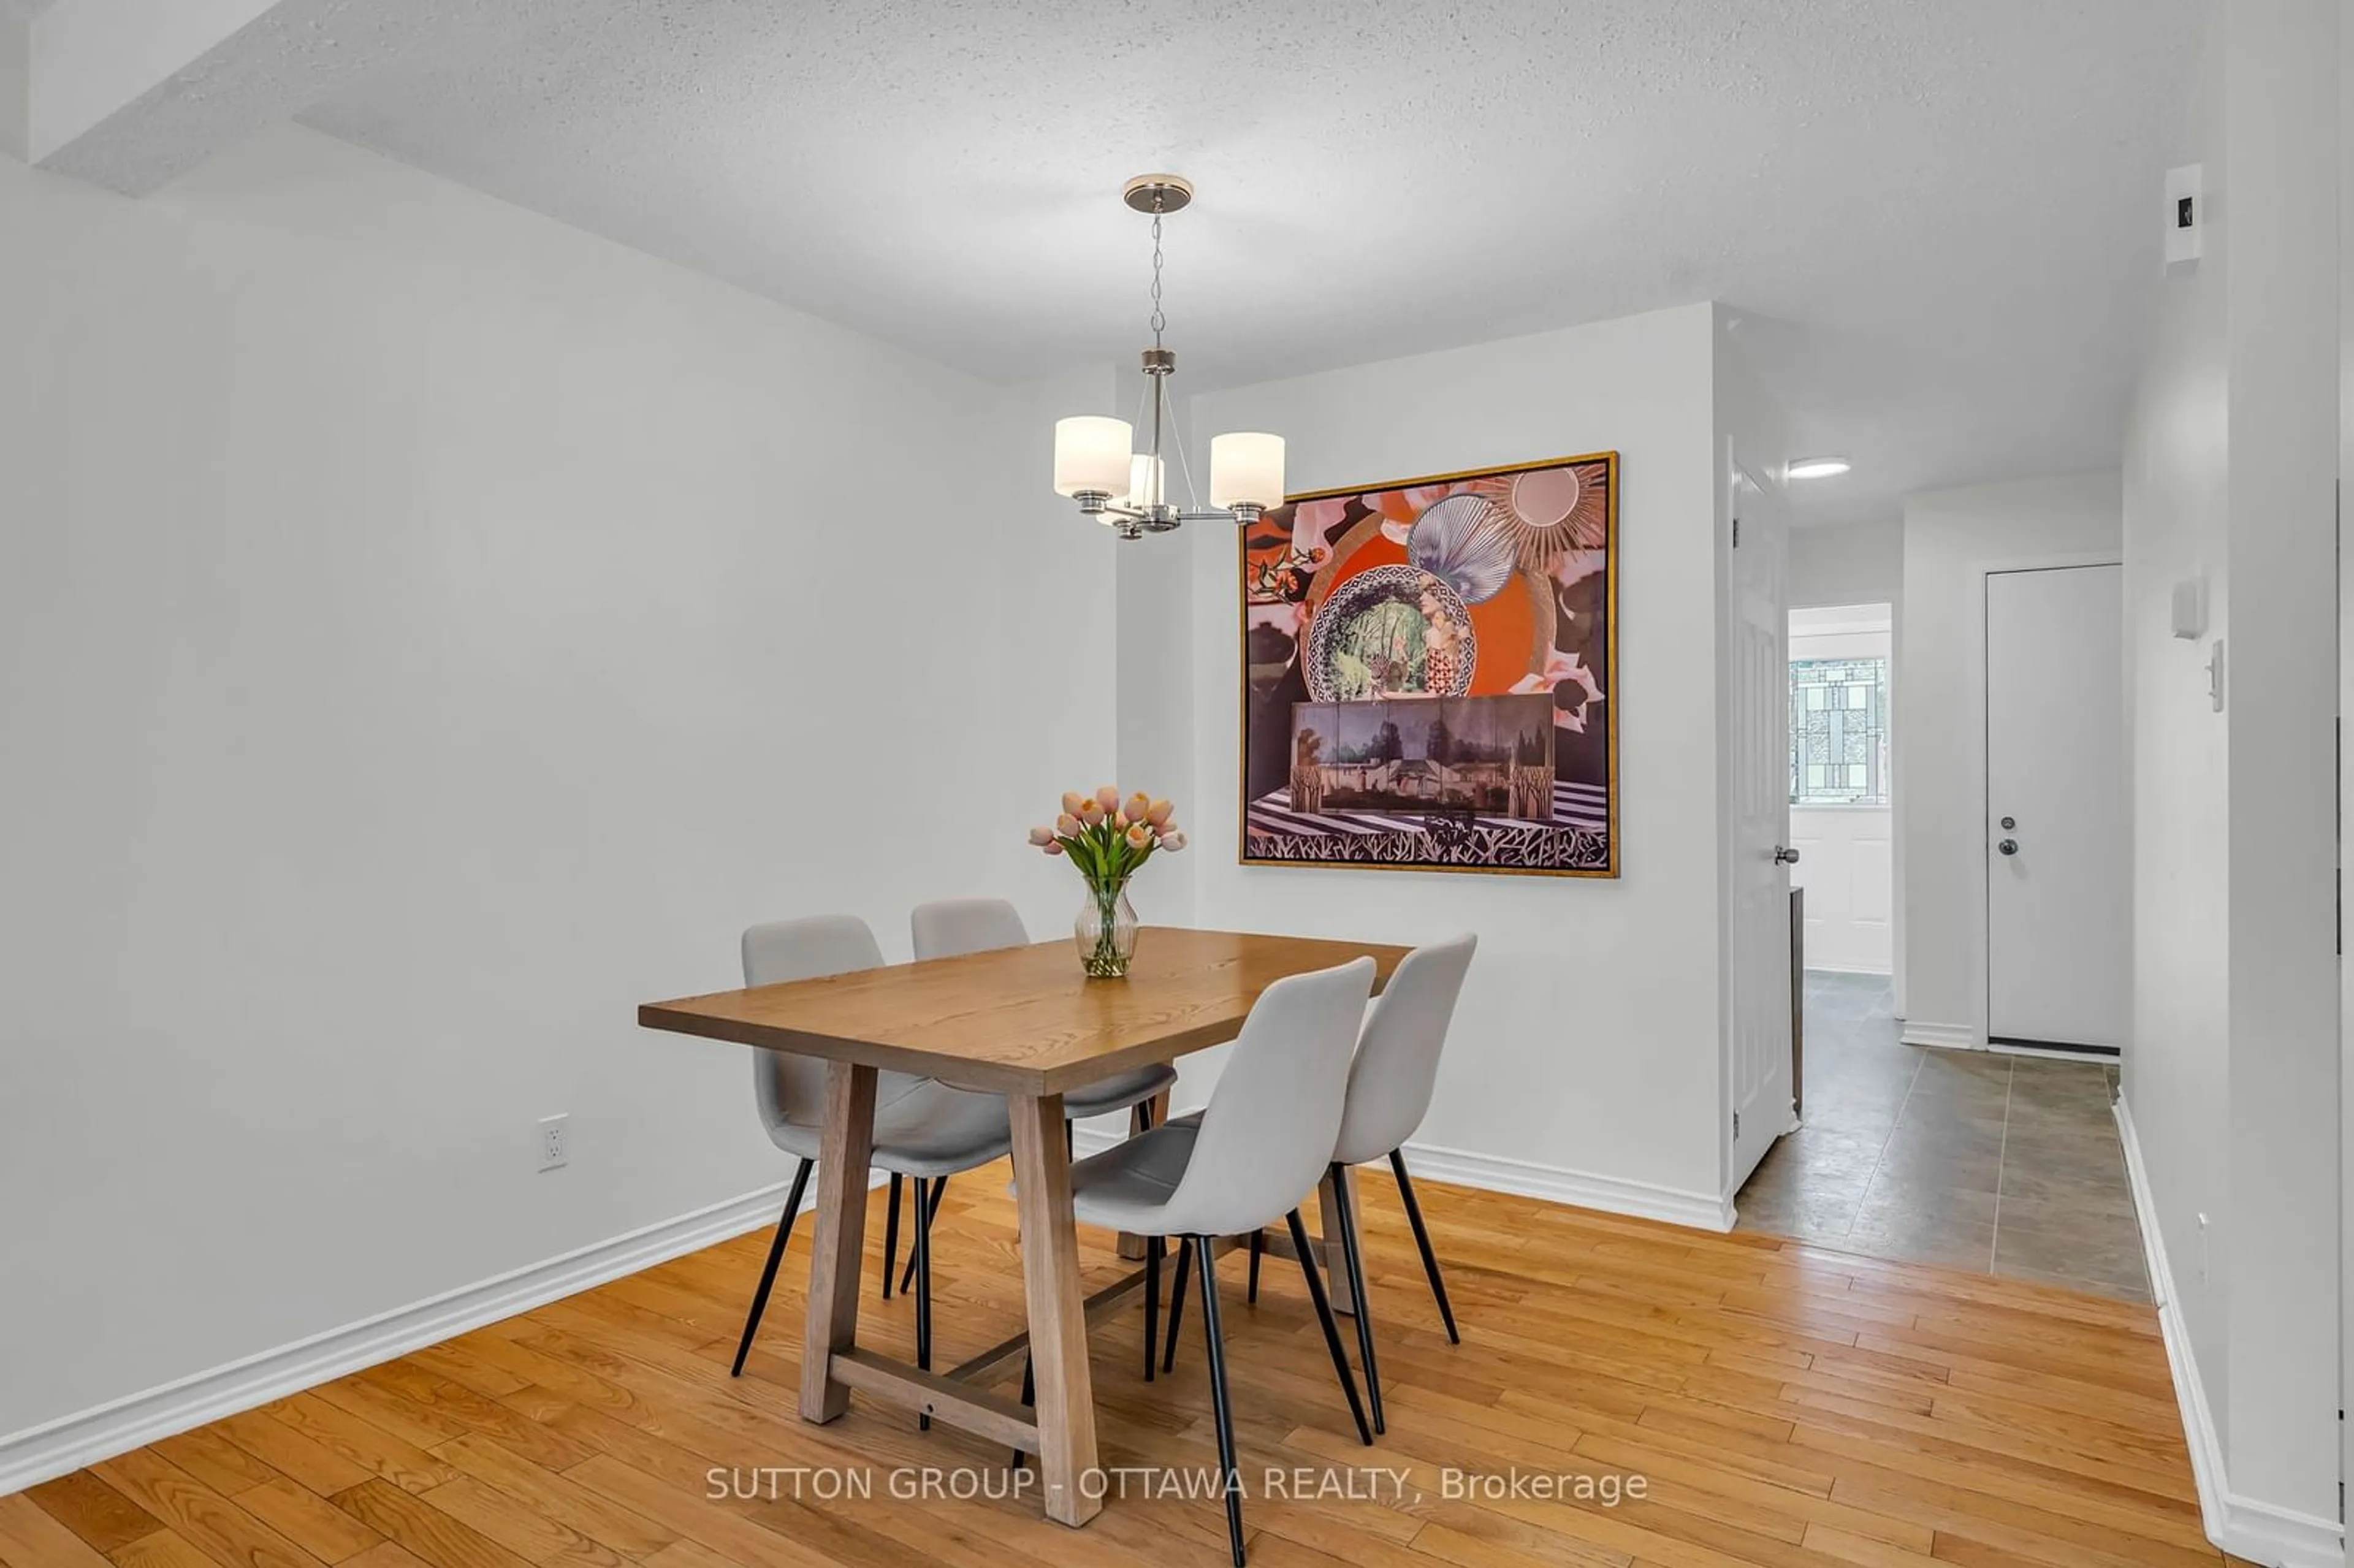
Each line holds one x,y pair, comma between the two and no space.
2010,1165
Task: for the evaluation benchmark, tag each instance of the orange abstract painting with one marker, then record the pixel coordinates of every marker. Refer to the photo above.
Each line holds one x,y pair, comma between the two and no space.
1429,668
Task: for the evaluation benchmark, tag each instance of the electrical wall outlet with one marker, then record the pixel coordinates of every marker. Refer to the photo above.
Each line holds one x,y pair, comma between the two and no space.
555,1143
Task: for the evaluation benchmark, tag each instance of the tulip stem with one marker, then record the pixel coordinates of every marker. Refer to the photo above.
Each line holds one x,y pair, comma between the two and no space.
1107,961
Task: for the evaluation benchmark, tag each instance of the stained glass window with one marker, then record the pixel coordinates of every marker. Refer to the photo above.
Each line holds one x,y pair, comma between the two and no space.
1838,732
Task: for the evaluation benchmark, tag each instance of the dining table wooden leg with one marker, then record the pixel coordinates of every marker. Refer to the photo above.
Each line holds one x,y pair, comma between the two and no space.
1329,1196
847,1144
1058,1324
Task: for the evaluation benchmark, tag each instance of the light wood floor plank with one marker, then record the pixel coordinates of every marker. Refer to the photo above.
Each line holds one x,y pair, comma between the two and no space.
307,1519
30,1537
164,1549
199,1515
97,1512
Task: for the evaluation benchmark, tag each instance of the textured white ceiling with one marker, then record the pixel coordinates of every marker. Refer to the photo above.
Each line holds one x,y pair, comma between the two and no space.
1936,219
23,10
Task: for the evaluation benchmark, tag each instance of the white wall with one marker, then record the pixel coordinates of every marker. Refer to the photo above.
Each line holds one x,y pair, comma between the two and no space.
1848,853
1861,563
1587,1039
2231,1084
433,631
15,86
1951,536
2176,496
2282,300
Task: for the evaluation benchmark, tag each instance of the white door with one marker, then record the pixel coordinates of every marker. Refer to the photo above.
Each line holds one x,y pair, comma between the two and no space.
1757,938
2057,933
1846,865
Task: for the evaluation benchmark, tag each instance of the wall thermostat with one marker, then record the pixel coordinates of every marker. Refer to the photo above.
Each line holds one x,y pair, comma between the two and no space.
2185,217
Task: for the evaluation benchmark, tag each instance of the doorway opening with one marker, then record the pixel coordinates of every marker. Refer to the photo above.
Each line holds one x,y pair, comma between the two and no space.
1968,1159
1842,790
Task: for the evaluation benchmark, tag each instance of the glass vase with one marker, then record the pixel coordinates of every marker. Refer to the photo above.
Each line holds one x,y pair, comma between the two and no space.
1106,931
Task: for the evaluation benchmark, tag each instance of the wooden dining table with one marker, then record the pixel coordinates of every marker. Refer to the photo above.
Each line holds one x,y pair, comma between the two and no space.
1027,1023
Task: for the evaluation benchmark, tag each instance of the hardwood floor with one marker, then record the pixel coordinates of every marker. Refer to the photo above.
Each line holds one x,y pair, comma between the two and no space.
1783,1404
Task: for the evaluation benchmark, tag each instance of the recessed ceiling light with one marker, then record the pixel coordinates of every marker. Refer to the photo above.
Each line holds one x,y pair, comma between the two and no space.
1819,468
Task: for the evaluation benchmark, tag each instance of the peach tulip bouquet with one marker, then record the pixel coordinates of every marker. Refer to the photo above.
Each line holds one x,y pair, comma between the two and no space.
1107,839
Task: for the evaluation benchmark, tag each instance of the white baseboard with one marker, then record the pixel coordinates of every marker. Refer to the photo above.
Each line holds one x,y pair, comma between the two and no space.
1638,1200
1581,1189
56,1447
2257,1532
1848,969
1951,1037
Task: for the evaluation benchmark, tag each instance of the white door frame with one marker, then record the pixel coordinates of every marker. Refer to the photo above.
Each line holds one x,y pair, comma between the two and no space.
1974,743
2345,706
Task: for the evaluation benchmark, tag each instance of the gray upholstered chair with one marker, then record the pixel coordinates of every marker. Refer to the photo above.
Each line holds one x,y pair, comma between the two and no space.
1251,1157
922,1128
949,927
1389,1094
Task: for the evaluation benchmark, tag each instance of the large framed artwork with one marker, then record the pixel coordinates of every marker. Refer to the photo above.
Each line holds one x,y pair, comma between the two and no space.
1429,673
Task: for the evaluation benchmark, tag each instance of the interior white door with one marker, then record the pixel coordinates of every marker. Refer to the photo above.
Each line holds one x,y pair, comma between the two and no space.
1757,937
2057,960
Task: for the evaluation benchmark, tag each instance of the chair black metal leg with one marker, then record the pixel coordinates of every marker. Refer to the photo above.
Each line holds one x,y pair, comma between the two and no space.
891,1236
1324,1315
1153,1245
1354,1260
923,1247
1257,1249
1229,1481
1177,1302
1029,1397
768,1272
930,1211
1422,1240
1144,1115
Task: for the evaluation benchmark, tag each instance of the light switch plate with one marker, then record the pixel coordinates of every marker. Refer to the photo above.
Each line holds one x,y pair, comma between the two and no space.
2190,607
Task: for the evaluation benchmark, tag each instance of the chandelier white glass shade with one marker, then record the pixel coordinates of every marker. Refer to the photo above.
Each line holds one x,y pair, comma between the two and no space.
1097,464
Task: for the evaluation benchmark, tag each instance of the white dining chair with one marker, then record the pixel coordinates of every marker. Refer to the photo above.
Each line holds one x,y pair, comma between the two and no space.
951,928
1389,1094
1251,1159
923,1129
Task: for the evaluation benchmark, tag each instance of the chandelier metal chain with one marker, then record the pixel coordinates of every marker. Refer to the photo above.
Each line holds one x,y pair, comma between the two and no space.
1160,320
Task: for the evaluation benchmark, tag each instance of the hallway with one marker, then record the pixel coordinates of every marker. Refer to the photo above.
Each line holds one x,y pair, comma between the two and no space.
2006,1165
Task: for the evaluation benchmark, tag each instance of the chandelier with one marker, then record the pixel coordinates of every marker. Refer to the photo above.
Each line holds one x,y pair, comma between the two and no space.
1096,462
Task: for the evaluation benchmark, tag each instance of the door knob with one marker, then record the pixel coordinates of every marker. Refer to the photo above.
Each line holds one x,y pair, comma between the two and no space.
1785,856
2008,846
